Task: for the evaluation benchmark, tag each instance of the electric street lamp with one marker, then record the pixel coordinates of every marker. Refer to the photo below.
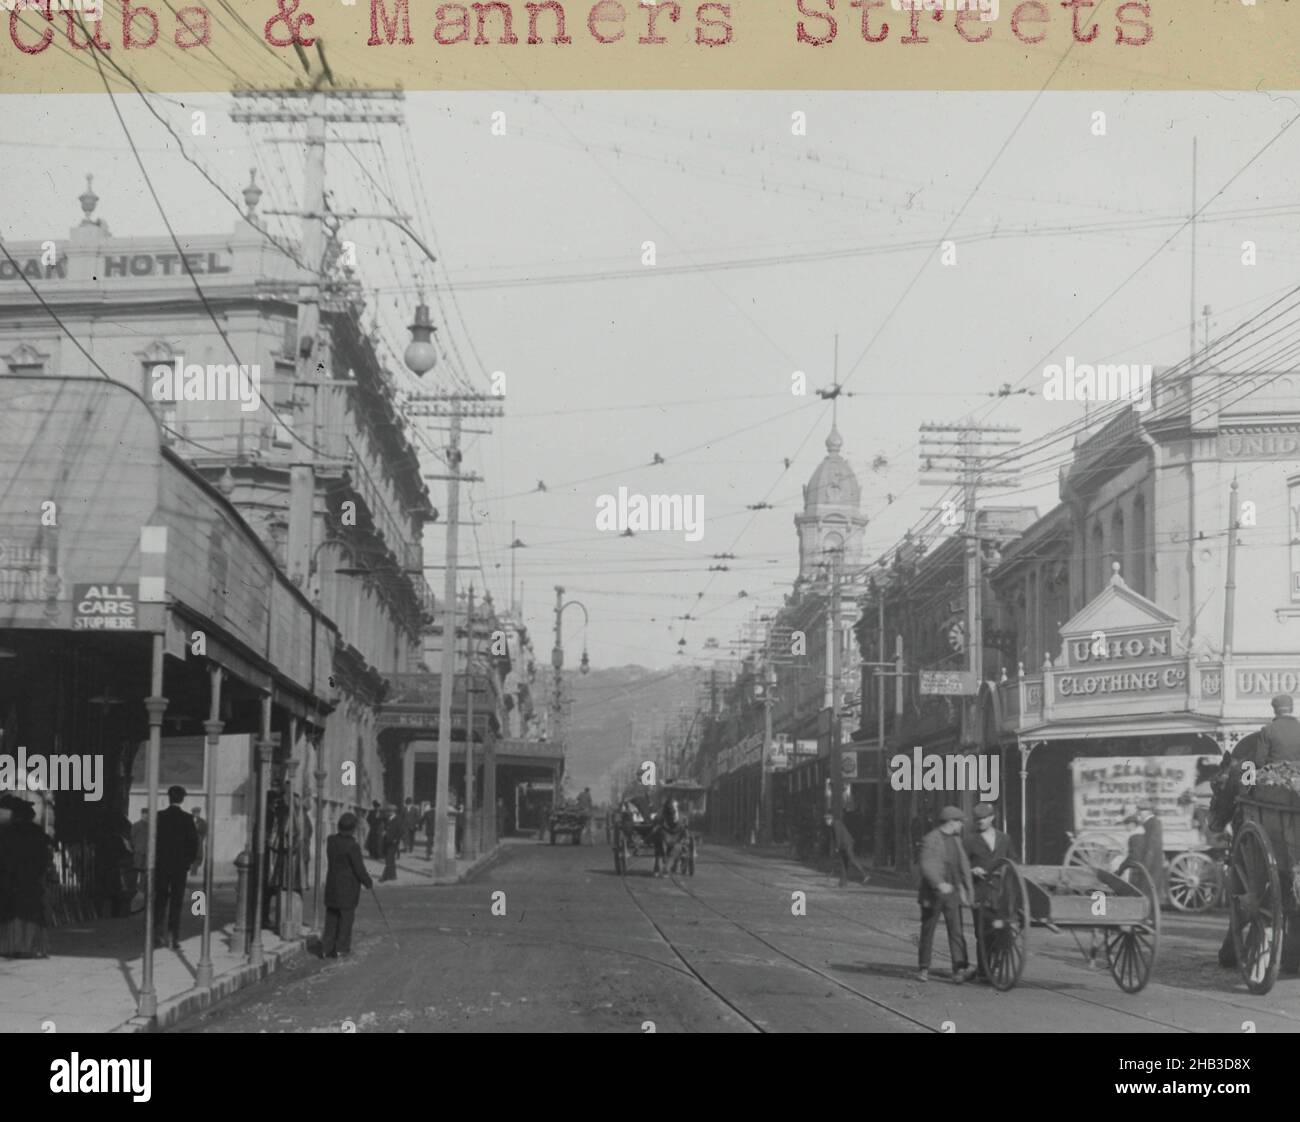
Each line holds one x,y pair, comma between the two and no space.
557,664
421,355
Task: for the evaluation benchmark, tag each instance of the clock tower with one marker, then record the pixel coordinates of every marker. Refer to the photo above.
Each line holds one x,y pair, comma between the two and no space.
832,517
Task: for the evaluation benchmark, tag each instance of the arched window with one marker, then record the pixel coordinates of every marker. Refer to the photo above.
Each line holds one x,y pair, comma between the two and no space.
1137,569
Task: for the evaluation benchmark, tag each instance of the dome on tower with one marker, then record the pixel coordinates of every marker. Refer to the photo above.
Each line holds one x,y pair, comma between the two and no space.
833,484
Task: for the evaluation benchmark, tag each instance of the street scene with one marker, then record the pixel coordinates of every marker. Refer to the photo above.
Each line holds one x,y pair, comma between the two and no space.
579,949
647,562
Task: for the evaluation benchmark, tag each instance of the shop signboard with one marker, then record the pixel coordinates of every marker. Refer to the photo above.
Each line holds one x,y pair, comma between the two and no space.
104,607
1105,785
948,683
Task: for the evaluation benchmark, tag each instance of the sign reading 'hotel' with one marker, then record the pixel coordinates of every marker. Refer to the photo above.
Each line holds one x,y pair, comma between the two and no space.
114,265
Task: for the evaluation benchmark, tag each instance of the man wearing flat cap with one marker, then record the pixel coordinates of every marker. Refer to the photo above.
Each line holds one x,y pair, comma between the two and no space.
945,885
1279,740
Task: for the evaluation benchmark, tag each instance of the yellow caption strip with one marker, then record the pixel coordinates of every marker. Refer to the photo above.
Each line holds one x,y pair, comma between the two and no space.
652,44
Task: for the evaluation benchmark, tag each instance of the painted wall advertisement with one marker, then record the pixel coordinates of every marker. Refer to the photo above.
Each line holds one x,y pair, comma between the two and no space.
1106,786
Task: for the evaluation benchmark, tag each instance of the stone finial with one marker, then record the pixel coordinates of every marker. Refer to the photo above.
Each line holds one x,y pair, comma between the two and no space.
834,442
89,200
252,194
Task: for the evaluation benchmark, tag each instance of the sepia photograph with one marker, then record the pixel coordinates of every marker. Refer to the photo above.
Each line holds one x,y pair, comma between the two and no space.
615,536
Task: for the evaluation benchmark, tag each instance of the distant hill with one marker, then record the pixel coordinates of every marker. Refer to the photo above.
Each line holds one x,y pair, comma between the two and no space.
605,705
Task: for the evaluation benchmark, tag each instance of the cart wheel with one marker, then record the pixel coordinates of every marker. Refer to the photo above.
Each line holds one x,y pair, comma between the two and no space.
621,856
1089,851
1255,908
576,837
690,859
1131,948
552,837
1193,882
1002,926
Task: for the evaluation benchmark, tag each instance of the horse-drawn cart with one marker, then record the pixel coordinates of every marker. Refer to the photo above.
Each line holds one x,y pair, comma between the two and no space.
1263,892
638,830
568,820
1120,908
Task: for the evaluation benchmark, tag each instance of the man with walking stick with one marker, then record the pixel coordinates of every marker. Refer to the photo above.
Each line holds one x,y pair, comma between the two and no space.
346,874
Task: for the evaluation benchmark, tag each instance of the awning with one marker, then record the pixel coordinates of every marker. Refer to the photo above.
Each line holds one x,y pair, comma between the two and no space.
1147,724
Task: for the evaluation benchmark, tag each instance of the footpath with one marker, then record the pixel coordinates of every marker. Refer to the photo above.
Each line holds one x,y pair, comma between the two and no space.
91,981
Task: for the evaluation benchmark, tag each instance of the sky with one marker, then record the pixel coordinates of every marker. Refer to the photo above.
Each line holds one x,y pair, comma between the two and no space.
777,249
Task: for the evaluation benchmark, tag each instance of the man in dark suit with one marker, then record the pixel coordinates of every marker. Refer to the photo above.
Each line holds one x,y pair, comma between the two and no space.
347,873
1280,738
946,884
178,844
986,845
375,830
392,827
1148,847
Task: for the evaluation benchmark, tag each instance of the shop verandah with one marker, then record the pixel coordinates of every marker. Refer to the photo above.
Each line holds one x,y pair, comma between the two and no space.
210,670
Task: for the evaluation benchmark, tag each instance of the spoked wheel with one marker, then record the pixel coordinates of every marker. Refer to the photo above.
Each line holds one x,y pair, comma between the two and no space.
1255,908
1193,882
1089,851
690,859
1002,926
621,855
1131,948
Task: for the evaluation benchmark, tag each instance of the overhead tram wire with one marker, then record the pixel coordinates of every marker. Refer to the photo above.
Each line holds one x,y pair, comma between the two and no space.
669,456
1111,410
989,409
198,288
926,262
926,524
841,253
425,211
456,368
194,280
1159,249
271,239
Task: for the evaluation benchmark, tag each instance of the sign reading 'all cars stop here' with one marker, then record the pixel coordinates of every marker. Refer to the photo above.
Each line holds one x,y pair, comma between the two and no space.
104,607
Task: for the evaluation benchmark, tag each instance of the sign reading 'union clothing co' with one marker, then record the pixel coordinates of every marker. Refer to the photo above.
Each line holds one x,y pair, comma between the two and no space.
1169,678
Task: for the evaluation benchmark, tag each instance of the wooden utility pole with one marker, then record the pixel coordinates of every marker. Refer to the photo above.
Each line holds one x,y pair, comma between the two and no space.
471,849
456,406
966,456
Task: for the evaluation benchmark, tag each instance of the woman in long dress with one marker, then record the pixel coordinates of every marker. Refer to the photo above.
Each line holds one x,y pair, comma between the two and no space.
24,862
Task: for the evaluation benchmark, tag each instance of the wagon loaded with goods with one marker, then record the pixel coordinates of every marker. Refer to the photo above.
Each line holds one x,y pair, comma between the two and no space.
1195,853
570,820
1121,909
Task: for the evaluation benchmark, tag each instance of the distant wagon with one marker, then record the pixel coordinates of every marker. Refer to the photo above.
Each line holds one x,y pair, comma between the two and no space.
568,820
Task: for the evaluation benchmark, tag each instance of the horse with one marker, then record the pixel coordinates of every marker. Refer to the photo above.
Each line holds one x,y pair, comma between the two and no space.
1226,783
